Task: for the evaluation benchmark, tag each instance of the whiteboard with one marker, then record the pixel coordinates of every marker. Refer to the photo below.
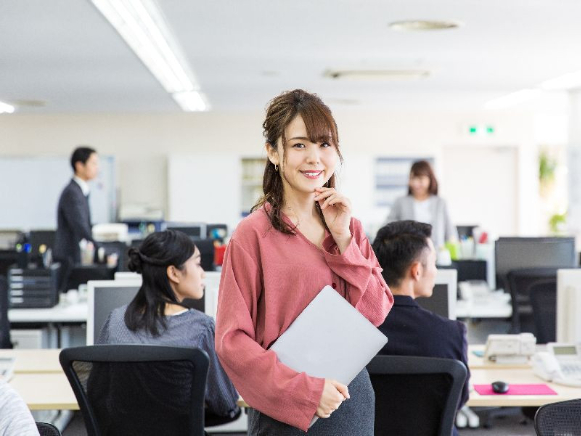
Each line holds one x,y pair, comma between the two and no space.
204,188
30,188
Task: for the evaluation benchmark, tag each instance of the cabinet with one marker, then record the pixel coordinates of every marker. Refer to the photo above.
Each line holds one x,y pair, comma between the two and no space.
251,183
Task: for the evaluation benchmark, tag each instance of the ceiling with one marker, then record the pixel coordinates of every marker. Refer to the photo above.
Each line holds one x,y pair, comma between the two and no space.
243,52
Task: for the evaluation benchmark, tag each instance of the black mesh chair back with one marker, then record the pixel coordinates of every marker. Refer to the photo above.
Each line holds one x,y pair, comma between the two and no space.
5,341
543,296
563,418
415,396
519,282
46,429
126,390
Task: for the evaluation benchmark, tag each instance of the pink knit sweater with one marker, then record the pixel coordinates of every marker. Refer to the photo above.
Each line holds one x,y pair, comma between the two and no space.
268,278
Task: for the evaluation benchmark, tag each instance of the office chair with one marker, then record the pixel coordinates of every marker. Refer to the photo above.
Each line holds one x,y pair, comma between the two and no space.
543,295
206,247
562,418
46,429
5,341
519,282
416,396
138,389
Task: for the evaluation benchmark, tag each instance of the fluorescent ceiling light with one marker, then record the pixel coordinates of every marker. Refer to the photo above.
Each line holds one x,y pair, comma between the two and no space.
191,101
142,27
566,81
6,108
513,99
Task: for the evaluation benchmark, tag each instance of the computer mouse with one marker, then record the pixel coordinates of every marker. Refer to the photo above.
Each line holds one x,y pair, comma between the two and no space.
499,387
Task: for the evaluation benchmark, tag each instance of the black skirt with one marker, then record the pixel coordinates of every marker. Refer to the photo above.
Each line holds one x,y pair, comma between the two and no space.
355,417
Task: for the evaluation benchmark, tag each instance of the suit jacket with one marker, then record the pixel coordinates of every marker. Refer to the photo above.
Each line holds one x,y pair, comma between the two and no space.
414,331
74,223
443,228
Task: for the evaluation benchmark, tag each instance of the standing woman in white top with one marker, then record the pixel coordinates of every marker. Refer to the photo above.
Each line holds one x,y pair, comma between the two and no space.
424,205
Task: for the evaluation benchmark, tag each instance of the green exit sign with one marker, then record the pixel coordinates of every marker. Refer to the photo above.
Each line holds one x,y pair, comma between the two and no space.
481,130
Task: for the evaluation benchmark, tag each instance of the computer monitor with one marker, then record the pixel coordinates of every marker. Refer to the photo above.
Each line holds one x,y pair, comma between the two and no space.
514,253
193,230
127,275
212,282
206,247
569,306
443,299
103,296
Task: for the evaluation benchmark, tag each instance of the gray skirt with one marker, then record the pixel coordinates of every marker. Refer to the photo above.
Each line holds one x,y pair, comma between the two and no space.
355,417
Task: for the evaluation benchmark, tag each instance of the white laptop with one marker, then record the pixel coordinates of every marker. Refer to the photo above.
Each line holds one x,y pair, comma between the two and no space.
329,339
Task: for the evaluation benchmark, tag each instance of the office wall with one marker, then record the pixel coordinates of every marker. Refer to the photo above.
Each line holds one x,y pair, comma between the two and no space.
141,144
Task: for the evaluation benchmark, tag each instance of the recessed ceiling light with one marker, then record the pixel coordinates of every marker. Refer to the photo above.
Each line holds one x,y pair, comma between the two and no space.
377,74
424,25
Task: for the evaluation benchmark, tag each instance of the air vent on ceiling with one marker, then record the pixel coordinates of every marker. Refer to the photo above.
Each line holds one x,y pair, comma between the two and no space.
424,25
388,75
29,103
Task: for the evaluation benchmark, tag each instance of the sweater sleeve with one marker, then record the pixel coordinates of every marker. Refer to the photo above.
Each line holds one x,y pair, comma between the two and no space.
451,233
395,211
265,383
221,396
358,266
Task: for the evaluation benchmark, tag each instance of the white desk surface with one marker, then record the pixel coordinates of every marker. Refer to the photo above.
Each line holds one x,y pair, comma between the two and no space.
495,305
60,313
48,391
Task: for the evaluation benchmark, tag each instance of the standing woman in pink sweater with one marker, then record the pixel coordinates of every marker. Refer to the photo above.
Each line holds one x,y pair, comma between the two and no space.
300,237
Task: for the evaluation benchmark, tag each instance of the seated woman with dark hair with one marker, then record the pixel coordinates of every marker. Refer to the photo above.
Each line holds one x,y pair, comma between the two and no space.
169,263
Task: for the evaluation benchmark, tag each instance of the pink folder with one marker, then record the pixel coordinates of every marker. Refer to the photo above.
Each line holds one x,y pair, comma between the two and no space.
514,389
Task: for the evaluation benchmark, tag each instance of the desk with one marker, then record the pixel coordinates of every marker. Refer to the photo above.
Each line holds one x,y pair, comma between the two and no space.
74,313
494,305
48,391
516,376
35,361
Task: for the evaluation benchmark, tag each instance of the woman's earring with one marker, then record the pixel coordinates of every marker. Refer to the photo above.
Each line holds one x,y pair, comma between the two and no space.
275,167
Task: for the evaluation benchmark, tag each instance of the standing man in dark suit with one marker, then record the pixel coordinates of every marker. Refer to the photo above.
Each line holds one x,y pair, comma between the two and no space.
408,258
73,214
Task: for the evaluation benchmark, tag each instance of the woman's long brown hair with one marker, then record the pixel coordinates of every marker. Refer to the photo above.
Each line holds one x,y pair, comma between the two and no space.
321,127
423,168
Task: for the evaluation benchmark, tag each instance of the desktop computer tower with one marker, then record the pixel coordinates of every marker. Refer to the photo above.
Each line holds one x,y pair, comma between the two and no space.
33,288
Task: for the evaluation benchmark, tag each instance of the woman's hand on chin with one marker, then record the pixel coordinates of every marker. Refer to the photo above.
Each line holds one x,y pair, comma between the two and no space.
336,210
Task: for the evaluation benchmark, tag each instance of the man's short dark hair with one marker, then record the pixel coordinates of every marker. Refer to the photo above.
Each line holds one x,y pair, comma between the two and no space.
397,245
81,154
